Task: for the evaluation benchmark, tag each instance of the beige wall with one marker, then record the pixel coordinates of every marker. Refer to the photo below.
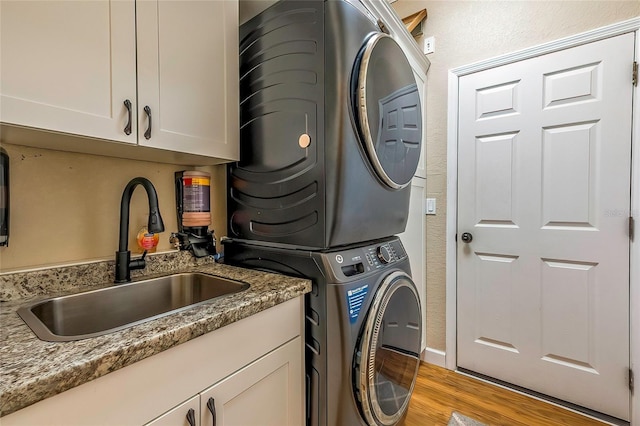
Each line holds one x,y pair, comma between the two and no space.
467,32
65,207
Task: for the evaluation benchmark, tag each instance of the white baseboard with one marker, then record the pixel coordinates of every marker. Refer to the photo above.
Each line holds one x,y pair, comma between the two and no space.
434,356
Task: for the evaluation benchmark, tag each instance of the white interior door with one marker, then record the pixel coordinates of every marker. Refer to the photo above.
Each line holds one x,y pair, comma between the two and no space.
544,190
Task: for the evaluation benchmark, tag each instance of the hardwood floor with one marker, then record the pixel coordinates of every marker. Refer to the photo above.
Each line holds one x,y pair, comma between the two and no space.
439,392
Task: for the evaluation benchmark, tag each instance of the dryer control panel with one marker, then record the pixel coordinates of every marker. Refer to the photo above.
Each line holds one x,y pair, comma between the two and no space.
360,260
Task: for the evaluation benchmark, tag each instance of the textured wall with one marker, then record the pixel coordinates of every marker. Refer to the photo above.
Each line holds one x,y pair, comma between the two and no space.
467,32
65,207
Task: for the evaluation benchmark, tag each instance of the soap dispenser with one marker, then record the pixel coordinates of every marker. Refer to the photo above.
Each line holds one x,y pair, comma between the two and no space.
193,205
4,198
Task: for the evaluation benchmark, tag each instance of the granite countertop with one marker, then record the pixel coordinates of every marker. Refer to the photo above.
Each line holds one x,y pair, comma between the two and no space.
32,370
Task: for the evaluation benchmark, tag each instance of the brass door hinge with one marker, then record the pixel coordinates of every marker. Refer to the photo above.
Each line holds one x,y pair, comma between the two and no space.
632,227
634,77
631,380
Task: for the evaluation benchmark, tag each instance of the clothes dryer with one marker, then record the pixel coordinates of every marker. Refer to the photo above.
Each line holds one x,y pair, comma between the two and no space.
362,327
331,127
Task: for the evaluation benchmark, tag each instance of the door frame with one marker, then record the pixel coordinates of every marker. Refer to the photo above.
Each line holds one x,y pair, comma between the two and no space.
631,25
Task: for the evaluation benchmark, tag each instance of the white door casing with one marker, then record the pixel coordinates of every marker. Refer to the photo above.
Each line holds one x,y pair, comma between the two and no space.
543,168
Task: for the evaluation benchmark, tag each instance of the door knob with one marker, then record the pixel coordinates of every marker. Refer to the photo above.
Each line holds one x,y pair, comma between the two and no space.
466,237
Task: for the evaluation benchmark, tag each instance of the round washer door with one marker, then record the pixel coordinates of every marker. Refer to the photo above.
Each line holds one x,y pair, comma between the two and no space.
388,110
387,355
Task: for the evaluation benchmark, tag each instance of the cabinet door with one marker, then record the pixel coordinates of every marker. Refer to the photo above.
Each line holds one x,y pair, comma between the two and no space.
188,76
179,415
268,392
68,66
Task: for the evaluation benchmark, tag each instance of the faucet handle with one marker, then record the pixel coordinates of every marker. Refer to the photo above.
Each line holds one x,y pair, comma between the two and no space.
138,263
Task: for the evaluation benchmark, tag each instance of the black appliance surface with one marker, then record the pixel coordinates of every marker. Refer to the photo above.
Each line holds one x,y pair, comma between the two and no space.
331,128
362,327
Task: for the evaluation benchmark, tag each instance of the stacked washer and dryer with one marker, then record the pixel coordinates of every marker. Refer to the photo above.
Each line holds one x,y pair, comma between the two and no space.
331,129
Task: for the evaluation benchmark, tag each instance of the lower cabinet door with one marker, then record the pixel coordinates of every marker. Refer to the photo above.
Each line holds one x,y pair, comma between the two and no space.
267,392
185,414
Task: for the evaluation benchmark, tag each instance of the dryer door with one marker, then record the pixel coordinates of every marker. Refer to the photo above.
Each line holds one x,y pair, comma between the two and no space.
388,111
388,351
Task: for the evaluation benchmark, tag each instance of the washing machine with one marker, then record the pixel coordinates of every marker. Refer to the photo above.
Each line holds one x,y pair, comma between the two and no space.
330,127
362,327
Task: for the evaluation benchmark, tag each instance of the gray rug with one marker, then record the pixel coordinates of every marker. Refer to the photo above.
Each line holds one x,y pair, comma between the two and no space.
458,419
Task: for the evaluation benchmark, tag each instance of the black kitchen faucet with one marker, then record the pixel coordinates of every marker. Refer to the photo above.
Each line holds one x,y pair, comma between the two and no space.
124,264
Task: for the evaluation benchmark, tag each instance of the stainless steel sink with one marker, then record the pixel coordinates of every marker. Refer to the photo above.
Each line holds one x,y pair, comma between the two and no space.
98,312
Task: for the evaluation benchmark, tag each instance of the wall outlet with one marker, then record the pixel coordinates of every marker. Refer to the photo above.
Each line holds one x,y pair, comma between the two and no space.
429,45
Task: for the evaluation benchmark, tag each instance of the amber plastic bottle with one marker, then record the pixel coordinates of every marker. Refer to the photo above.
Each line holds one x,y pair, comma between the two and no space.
196,190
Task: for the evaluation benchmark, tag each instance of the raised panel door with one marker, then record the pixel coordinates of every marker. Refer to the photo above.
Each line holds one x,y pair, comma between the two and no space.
544,188
69,66
188,76
268,392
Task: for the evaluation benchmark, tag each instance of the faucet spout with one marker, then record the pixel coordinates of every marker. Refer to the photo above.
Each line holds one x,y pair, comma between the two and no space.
124,264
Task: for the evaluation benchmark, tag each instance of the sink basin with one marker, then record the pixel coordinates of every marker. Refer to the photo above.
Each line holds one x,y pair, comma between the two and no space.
98,312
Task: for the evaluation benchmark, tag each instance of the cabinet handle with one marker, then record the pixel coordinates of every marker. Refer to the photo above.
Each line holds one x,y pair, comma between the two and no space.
191,417
127,128
147,134
211,405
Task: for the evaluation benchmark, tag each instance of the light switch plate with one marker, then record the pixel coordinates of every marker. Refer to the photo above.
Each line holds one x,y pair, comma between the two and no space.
430,206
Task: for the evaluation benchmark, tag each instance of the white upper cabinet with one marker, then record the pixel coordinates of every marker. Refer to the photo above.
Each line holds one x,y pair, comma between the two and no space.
188,76
73,66
68,66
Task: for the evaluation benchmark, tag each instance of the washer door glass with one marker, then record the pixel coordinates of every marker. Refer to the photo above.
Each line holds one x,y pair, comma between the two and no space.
388,352
388,110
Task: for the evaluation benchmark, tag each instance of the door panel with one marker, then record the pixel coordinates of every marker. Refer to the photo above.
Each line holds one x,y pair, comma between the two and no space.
267,392
543,287
186,71
69,66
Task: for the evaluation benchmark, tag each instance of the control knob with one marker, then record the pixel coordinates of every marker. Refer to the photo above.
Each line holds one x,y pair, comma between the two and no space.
384,254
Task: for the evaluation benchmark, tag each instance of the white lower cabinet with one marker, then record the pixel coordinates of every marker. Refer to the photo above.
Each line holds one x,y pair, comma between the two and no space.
264,393
252,369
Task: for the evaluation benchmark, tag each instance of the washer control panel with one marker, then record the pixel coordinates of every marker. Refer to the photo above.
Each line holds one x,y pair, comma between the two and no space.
368,258
383,254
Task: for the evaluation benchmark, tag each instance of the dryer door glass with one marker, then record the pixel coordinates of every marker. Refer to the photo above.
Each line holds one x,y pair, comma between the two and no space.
389,351
388,110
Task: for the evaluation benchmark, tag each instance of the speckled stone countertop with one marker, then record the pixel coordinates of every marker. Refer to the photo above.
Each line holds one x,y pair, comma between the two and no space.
32,369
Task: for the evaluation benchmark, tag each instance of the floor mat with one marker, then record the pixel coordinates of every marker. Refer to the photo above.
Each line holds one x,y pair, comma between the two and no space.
458,419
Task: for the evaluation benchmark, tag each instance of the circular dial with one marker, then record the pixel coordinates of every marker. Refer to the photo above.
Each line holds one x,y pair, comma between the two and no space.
384,254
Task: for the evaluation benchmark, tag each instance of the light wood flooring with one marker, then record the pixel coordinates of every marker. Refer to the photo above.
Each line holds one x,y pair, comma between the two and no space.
439,392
